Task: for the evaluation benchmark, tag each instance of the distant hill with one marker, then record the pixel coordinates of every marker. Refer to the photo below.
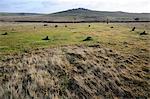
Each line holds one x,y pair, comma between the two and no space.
79,14
85,14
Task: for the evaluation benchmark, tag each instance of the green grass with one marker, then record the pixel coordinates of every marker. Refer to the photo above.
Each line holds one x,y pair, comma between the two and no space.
25,37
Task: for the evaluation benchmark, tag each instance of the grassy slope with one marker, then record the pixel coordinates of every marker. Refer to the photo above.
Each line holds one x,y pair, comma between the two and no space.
23,36
118,67
85,14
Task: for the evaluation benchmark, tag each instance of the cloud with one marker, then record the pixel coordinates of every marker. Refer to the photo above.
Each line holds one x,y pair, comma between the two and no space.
48,6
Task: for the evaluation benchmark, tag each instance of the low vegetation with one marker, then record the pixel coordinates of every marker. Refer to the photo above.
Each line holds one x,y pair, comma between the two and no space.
19,37
75,62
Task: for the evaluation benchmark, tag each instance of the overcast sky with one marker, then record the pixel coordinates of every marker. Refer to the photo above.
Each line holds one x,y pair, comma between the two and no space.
49,6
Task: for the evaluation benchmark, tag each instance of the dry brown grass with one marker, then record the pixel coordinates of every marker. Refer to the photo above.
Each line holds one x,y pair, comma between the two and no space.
75,72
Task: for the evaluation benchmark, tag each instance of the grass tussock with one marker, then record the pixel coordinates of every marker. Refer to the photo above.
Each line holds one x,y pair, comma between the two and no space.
75,72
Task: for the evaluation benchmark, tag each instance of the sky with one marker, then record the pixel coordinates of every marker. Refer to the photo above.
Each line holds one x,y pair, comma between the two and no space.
50,6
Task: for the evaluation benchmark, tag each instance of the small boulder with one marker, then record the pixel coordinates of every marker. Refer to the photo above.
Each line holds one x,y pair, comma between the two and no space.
89,25
133,29
88,39
46,38
111,27
45,25
5,33
56,26
143,33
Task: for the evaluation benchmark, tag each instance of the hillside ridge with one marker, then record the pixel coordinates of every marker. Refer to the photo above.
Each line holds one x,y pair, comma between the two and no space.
79,14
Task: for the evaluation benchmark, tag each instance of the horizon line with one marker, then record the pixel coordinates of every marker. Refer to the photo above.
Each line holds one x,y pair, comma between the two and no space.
67,10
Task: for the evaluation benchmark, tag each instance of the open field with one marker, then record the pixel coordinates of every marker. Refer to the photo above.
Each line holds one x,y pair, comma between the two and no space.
114,64
25,36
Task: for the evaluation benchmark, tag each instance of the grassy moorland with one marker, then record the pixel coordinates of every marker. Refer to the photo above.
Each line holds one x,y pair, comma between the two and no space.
114,64
26,36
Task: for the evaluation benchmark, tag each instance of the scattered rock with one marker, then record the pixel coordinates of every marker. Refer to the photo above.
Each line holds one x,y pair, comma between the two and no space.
56,26
5,33
133,29
45,25
88,39
46,38
143,33
107,21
